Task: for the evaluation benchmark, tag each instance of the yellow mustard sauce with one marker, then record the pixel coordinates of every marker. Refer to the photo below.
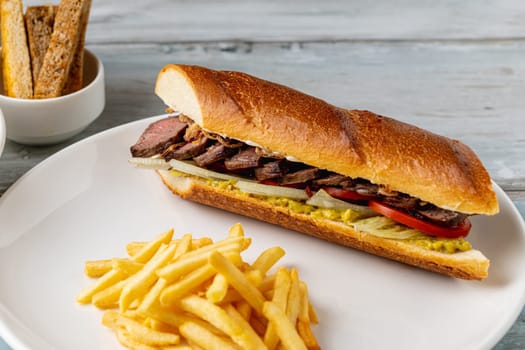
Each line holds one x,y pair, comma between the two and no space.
351,217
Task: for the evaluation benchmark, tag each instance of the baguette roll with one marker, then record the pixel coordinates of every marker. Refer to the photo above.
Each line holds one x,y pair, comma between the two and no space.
247,116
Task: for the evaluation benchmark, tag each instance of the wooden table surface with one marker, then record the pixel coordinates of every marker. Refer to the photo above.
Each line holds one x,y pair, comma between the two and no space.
453,67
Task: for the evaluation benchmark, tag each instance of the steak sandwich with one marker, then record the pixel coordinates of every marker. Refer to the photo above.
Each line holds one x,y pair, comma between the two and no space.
351,177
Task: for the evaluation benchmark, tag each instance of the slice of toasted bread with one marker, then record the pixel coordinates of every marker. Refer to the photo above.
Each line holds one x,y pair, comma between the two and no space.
16,64
39,24
62,47
75,79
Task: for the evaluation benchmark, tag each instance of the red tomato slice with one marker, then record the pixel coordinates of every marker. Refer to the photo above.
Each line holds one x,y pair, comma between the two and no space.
340,193
460,230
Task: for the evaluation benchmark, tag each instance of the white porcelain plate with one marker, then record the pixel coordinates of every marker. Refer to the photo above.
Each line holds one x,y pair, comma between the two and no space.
87,202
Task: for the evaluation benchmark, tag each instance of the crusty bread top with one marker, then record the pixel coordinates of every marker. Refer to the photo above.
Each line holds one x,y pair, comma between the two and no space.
359,144
16,66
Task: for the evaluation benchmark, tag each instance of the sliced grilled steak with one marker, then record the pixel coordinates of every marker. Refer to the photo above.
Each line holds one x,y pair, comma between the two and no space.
245,159
271,170
213,154
267,154
441,216
187,150
331,180
300,176
159,136
361,187
401,202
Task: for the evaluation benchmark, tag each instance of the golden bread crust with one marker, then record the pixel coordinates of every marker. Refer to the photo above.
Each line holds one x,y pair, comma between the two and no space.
471,265
356,143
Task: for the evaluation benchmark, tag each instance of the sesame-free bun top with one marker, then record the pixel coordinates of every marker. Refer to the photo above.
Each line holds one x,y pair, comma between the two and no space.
355,143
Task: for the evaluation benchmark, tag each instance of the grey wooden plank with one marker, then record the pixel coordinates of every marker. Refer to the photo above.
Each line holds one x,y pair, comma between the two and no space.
472,92
305,20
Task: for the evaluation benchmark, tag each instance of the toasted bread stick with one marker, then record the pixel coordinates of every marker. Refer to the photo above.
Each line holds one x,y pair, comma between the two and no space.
75,79
62,47
39,23
15,53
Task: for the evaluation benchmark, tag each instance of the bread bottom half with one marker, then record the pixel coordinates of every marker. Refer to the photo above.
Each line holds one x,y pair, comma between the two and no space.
470,265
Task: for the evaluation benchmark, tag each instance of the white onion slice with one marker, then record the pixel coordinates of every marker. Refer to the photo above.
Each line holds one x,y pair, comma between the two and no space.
188,167
322,199
270,190
384,227
150,163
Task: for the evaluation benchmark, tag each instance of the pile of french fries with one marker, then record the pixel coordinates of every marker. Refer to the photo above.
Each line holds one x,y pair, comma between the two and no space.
192,293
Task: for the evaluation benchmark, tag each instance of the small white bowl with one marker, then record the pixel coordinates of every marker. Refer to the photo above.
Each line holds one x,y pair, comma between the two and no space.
53,120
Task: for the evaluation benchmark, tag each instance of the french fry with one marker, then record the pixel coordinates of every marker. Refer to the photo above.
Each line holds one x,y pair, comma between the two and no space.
147,251
305,332
258,325
145,335
219,318
161,326
108,298
312,314
254,276
193,260
173,293
200,242
238,280
109,279
218,289
183,246
139,283
110,319
236,231
244,309
97,268
232,296
304,315
280,298
125,339
132,248
284,328
251,337
129,267
152,297
293,304
215,246
267,259
176,319
204,338
194,279
267,283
